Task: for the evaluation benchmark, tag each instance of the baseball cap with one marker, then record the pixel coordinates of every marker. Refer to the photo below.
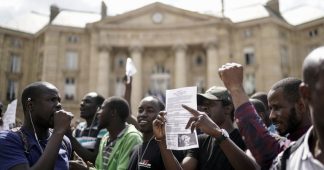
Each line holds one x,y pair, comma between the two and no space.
215,93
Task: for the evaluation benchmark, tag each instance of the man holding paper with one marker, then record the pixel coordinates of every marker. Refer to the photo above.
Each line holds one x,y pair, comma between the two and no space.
217,149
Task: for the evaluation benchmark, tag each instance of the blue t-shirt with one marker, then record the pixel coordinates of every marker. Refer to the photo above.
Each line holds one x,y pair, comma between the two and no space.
12,151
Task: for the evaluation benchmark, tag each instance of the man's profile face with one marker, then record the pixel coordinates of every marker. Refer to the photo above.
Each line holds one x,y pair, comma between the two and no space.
105,114
283,113
88,106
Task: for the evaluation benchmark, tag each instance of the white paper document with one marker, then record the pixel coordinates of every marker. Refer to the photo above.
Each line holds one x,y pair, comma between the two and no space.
9,117
177,137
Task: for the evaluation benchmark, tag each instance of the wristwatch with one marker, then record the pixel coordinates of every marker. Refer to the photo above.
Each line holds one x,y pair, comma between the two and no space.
223,136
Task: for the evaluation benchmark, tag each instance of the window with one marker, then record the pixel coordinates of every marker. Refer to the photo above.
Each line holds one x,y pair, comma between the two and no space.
71,60
14,63
284,56
313,33
199,60
249,83
120,61
69,88
283,34
247,33
249,56
73,39
16,43
12,90
120,87
160,79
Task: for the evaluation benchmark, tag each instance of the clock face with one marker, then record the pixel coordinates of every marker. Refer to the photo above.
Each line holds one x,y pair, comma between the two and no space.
157,17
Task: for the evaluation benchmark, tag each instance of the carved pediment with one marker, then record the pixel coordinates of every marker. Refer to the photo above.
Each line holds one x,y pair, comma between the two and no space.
155,15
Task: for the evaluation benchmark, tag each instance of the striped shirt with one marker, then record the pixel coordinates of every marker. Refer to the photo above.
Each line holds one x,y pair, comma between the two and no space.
109,147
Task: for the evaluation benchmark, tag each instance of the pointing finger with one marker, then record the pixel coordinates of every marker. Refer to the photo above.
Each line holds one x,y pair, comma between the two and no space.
191,110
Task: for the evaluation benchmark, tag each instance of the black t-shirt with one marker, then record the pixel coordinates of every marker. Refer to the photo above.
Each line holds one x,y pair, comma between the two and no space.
210,155
151,159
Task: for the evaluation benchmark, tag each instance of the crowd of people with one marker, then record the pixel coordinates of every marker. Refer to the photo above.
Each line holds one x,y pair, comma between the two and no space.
281,129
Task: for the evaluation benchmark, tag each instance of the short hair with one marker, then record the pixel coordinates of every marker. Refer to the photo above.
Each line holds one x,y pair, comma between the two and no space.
120,105
258,105
33,91
99,99
262,96
159,102
290,88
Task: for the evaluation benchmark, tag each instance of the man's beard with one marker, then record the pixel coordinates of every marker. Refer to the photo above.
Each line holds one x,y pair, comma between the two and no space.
293,121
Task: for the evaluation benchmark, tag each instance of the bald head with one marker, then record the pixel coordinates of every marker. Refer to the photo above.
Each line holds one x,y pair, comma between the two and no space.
99,99
35,89
313,65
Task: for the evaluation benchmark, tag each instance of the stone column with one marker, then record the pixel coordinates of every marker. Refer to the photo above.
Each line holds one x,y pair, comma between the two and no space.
213,64
180,66
103,71
137,91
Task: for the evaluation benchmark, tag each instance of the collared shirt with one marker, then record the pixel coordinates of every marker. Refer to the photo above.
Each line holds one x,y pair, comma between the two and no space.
110,146
119,156
301,158
263,145
88,137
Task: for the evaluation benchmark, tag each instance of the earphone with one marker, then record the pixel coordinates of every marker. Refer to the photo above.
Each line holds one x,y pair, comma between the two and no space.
32,122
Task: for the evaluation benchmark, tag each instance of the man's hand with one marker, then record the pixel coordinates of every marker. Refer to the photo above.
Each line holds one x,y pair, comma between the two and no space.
68,132
78,165
232,76
158,126
203,122
62,121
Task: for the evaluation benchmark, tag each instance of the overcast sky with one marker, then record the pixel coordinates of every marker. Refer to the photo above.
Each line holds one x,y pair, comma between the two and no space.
12,8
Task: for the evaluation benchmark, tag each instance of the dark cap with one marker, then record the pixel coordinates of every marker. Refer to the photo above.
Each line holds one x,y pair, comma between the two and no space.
216,93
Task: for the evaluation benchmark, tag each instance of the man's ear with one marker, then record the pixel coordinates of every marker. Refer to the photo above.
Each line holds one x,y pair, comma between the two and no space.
301,105
29,104
229,108
304,91
114,113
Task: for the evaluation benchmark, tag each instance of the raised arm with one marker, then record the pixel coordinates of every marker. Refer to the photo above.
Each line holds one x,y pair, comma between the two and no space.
259,141
84,153
127,96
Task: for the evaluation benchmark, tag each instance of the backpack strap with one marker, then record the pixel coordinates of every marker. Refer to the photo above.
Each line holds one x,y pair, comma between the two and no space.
23,138
292,148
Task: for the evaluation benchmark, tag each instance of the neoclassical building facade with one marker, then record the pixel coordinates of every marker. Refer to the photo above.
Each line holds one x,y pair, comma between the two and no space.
170,47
